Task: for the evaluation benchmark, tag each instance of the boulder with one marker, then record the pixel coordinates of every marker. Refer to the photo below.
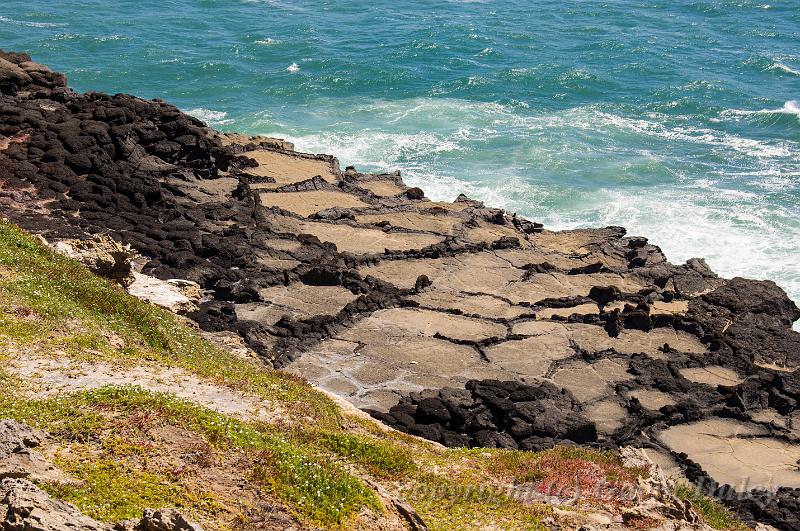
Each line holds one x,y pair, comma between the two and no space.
102,255
16,441
159,520
12,77
18,459
492,413
25,507
169,294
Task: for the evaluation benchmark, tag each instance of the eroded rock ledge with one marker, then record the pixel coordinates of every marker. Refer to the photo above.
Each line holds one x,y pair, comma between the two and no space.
457,322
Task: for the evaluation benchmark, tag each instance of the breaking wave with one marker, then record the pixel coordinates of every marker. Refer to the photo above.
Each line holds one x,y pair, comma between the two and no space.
585,166
212,118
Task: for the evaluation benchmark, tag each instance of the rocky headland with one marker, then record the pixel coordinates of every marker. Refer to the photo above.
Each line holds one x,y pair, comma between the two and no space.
459,323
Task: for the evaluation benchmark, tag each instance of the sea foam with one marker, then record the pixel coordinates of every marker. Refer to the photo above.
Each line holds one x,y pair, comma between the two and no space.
779,66
212,118
31,24
447,146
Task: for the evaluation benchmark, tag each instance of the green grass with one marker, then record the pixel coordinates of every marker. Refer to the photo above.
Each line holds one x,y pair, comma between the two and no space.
527,466
45,290
320,490
56,306
457,504
381,458
315,488
713,512
311,457
110,490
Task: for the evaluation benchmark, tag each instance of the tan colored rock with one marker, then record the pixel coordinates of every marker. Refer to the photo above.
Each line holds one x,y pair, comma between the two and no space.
476,273
161,293
775,366
530,357
456,206
310,202
308,300
582,309
416,322
554,285
608,415
229,139
740,454
289,169
583,382
669,466
590,381
189,288
489,233
428,355
653,400
656,502
561,260
381,188
18,456
673,308
594,338
573,241
711,375
102,255
481,272
367,241
297,300
438,224
483,305
25,507
403,273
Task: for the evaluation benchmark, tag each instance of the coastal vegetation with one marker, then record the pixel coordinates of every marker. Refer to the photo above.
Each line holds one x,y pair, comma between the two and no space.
125,448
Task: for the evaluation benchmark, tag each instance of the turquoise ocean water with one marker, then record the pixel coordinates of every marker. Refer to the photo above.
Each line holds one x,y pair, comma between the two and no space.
678,119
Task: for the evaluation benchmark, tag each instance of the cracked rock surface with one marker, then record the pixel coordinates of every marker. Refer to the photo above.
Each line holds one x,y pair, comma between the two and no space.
450,320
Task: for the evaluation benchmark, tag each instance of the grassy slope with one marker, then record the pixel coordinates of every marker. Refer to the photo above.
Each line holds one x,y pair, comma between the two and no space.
320,467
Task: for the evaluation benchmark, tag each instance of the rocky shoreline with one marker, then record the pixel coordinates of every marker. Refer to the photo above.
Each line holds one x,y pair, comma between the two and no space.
456,322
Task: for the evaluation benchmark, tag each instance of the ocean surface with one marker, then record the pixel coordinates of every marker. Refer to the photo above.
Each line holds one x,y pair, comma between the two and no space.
679,119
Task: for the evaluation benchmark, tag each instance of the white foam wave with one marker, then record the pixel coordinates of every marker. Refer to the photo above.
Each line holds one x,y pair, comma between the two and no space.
267,42
293,68
484,121
494,117
377,149
435,140
107,38
782,67
211,117
699,135
737,237
790,107
31,24
275,3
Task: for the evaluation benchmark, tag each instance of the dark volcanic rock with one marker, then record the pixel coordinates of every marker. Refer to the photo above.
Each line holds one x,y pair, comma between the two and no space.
190,201
494,414
753,318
